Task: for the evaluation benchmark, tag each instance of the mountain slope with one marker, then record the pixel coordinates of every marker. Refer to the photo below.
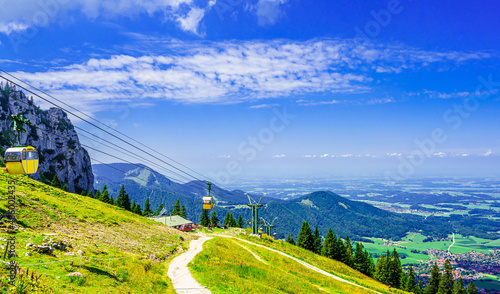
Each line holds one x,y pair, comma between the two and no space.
141,182
122,252
251,265
347,217
52,134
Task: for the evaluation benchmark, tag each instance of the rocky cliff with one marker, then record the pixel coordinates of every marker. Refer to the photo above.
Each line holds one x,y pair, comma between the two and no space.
52,134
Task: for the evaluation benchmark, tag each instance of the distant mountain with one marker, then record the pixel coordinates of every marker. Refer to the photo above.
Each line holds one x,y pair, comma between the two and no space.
141,182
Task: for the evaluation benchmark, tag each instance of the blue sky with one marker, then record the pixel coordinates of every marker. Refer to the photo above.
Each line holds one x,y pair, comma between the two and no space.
243,88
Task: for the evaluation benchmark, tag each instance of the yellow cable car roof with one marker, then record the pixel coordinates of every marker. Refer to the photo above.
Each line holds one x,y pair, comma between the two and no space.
18,148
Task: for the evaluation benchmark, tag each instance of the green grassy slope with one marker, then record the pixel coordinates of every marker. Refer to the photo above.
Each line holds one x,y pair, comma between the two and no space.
228,266
122,252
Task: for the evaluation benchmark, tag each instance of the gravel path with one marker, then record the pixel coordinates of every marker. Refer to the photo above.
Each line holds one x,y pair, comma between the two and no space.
178,272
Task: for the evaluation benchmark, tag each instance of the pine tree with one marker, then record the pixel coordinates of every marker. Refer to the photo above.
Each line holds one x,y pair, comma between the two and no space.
138,209
433,286
55,182
420,287
446,283
177,208
358,257
204,219
382,269
147,208
214,219
305,238
317,241
341,250
471,288
132,207
123,200
369,265
329,245
232,221
290,240
396,270
160,208
183,213
105,195
410,282
89,194
348,251
240,223
98,195
64,187
458,287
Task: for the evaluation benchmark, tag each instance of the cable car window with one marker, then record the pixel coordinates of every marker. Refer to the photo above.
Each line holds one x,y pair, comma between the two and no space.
32,155
12,156
24,155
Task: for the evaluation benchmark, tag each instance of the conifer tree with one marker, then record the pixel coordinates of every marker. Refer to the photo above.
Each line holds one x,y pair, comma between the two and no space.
64,187
138,209
410,282
98,195
458,287
382,269
341,250
369,265
226,219
290,240
232,221
317,240
132,207
204,219
446,283
160,207
183,211
55,182
358,261
177,208
214,219
240,223
396,270
433,286
147,208
305,238
105,195
123,200
420,287
328,249
348,251
89,194
471,288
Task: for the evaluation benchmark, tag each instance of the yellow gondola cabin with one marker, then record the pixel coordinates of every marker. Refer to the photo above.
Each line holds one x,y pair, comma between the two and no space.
20,160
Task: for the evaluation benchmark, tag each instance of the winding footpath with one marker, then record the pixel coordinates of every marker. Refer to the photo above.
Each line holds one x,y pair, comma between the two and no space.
179,273
184,283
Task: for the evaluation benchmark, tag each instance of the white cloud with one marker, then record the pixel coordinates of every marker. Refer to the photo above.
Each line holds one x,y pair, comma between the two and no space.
191,22
488,153
269,11
15,17
263,106
346,155
224,156
10,27
394,154
465,154
229,72
324,155
439,154
309,156
464,94
279,156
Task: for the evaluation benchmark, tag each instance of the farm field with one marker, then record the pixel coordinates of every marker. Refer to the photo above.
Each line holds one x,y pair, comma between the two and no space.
415,242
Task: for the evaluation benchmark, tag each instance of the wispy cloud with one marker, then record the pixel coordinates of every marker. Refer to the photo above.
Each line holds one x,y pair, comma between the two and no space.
233,72
263,106
12,26
279,156
269,11
464,94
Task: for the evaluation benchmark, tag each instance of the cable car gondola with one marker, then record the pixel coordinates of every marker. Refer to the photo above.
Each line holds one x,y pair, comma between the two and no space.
20,160
208,201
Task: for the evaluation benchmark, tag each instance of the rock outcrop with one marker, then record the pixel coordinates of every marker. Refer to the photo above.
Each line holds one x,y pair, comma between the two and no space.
52,134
